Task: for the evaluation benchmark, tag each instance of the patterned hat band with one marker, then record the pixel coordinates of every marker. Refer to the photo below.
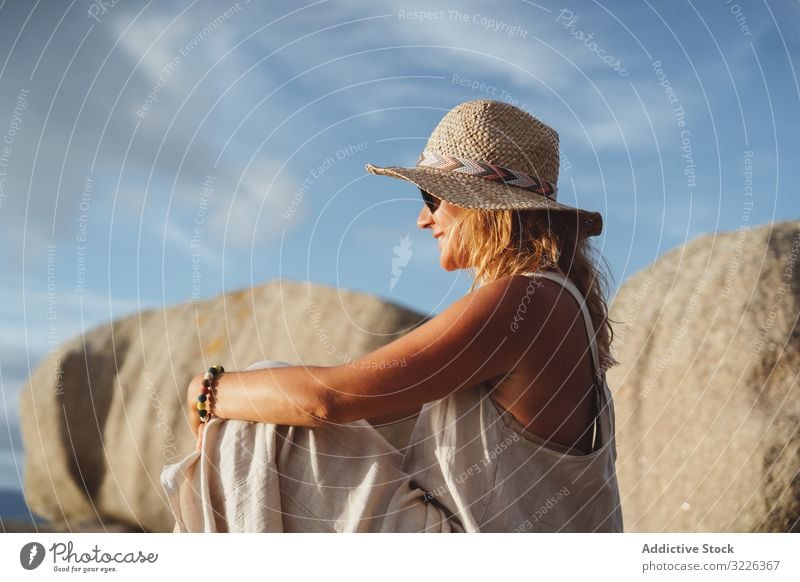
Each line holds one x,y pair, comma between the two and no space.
488,171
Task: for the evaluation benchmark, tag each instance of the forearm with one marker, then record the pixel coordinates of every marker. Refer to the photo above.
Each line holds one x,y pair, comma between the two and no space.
289,395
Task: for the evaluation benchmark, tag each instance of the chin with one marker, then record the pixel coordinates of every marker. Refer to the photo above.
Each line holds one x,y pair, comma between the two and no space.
448,262
449,265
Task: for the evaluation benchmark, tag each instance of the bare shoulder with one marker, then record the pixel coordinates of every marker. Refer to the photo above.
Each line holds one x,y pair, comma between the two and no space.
525,302
538,313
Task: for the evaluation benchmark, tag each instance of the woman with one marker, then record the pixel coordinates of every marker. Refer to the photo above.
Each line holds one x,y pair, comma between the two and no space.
515,426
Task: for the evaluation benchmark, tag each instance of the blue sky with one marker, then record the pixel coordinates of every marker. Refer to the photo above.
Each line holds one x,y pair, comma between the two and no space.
158,153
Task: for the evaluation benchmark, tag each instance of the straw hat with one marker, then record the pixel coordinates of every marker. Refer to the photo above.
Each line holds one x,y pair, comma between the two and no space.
489,154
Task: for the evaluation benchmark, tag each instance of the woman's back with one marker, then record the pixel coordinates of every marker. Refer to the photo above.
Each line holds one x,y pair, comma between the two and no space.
550,390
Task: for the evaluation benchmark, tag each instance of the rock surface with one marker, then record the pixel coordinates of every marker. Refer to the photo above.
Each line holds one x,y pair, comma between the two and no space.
708,395
98,428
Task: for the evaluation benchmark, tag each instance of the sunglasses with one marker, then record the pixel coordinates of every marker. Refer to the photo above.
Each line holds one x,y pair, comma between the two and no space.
431,201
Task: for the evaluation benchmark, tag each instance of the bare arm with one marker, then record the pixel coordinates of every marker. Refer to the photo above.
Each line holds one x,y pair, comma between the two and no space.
471,341
288,395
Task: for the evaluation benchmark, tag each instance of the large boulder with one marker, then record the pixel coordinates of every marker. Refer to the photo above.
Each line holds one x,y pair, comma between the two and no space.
707,395
103,415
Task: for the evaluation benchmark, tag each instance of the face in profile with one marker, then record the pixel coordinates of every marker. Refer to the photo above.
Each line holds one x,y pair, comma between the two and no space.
442,222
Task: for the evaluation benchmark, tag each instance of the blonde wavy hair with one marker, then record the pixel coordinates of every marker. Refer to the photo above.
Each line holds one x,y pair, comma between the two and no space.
499,243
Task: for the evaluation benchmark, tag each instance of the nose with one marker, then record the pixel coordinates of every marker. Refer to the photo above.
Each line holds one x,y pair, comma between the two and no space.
425,218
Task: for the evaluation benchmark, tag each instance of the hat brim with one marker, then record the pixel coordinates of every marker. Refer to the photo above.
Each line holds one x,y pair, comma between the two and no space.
469,191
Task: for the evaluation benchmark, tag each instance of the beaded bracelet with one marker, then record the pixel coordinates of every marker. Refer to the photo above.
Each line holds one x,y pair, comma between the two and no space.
205,400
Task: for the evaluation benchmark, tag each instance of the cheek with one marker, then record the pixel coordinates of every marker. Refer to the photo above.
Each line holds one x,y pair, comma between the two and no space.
446,222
